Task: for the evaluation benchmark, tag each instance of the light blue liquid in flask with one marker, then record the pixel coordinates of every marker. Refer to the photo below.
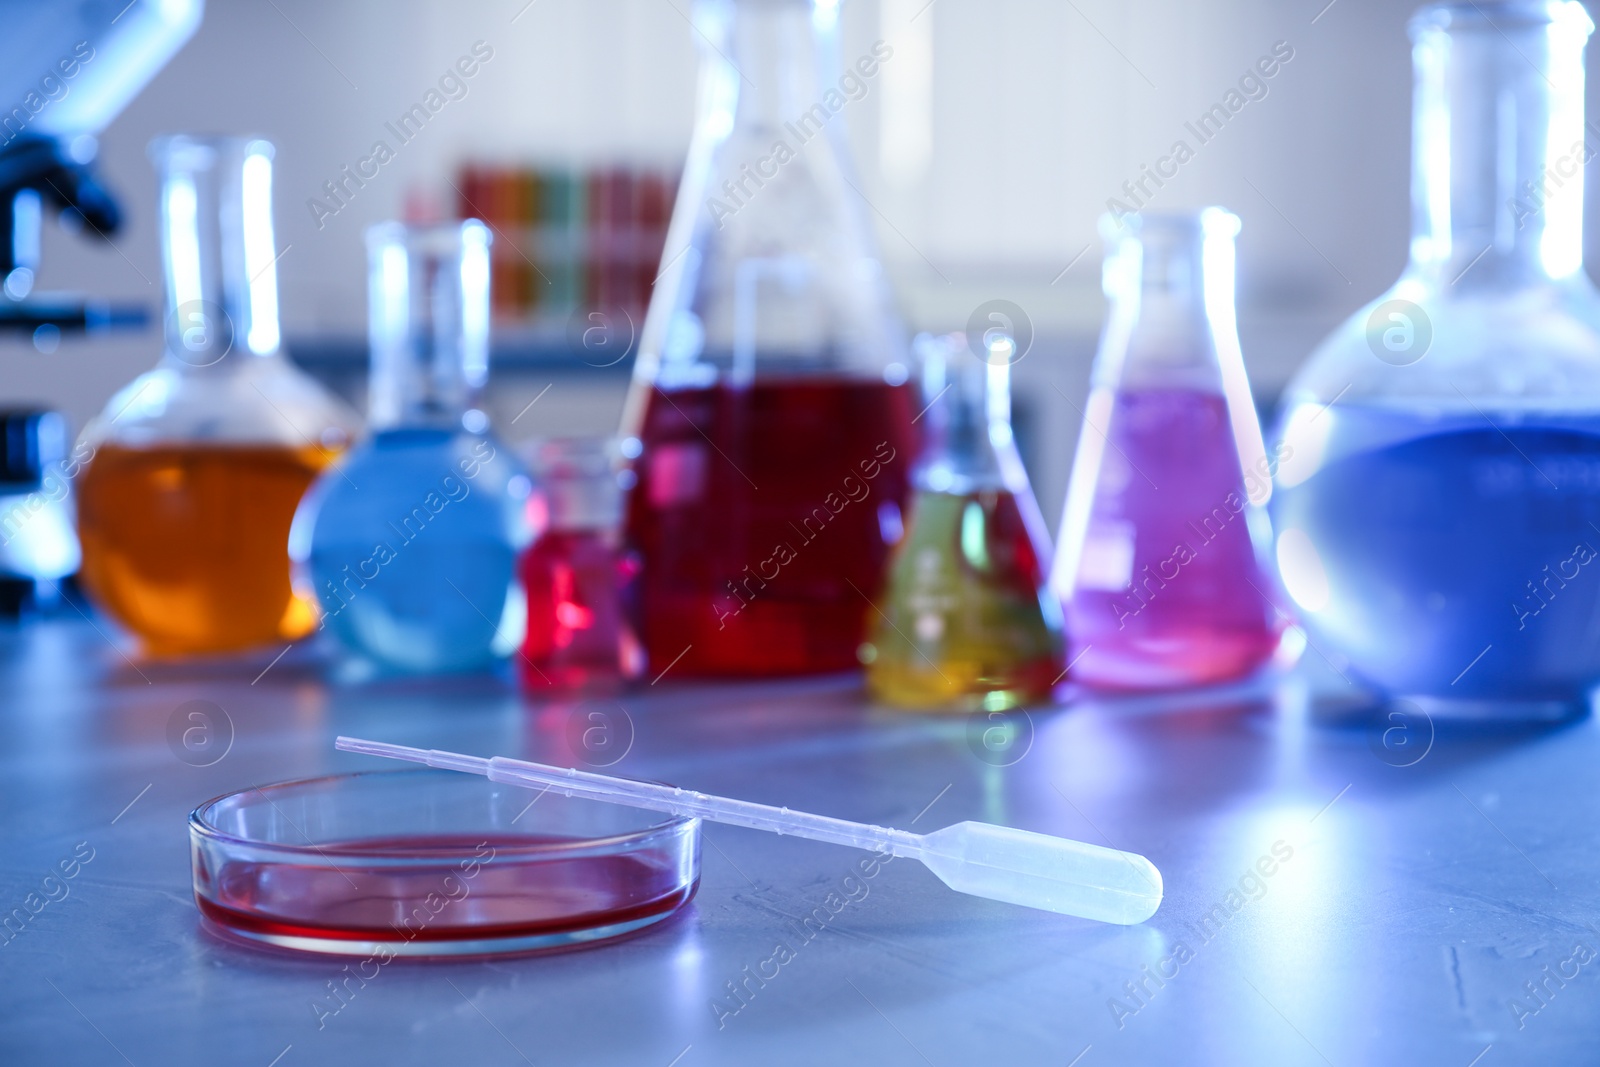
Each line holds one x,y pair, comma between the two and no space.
1437,505
409,544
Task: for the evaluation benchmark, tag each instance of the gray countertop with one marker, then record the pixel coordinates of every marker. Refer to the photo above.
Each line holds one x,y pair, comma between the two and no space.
1422,881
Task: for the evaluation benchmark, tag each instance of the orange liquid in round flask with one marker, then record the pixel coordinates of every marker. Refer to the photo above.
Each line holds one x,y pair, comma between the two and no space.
196,467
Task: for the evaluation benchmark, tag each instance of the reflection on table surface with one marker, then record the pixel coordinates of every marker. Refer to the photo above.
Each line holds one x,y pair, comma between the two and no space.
1341,887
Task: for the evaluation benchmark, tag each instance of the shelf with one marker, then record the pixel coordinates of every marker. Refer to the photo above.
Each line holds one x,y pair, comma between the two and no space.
545,347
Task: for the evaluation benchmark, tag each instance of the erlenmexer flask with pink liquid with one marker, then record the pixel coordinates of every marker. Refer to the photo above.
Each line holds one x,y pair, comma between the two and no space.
1161,564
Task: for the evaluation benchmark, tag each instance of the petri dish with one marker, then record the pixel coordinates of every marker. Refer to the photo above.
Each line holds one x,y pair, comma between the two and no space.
429,863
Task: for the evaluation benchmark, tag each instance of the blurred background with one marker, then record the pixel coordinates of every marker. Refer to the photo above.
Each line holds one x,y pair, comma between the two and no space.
987,148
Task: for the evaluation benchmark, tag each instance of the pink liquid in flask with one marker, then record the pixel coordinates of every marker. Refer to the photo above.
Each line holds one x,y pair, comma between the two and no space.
1168,589
1160,566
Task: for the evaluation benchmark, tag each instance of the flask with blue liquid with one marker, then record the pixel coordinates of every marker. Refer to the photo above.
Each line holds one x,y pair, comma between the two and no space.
1437,506
409,543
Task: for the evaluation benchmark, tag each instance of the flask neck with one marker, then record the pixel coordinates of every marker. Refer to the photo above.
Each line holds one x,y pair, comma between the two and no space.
217,249
577,481
778,48
967,437
1169,280
428,324
1498,143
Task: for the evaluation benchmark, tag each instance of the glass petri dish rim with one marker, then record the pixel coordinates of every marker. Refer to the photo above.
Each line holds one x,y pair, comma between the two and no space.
318,855
307,932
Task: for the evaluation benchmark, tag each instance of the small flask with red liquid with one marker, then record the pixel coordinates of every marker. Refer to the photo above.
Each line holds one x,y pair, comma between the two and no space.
1164,536
576,573
769,424
967,622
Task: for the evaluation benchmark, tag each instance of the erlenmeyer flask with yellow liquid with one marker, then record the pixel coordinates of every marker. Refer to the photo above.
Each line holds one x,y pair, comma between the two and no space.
967,623
198,465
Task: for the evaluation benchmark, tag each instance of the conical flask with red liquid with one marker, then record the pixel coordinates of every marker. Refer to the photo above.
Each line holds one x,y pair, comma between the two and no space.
1161,565
769,423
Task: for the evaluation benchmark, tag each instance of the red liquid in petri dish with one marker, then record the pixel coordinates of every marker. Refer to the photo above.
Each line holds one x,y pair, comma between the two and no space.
763,517
453,899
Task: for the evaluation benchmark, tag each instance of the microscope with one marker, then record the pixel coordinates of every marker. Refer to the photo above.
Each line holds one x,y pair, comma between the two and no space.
70,67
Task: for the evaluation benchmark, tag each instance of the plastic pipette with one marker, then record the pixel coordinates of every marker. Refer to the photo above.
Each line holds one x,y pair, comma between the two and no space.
1016,866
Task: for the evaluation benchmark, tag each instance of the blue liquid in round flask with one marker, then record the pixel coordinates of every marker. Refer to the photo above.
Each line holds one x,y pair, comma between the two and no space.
409,544
1437,500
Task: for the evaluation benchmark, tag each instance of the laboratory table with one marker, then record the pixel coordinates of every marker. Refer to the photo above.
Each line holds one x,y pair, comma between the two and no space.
1342,889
